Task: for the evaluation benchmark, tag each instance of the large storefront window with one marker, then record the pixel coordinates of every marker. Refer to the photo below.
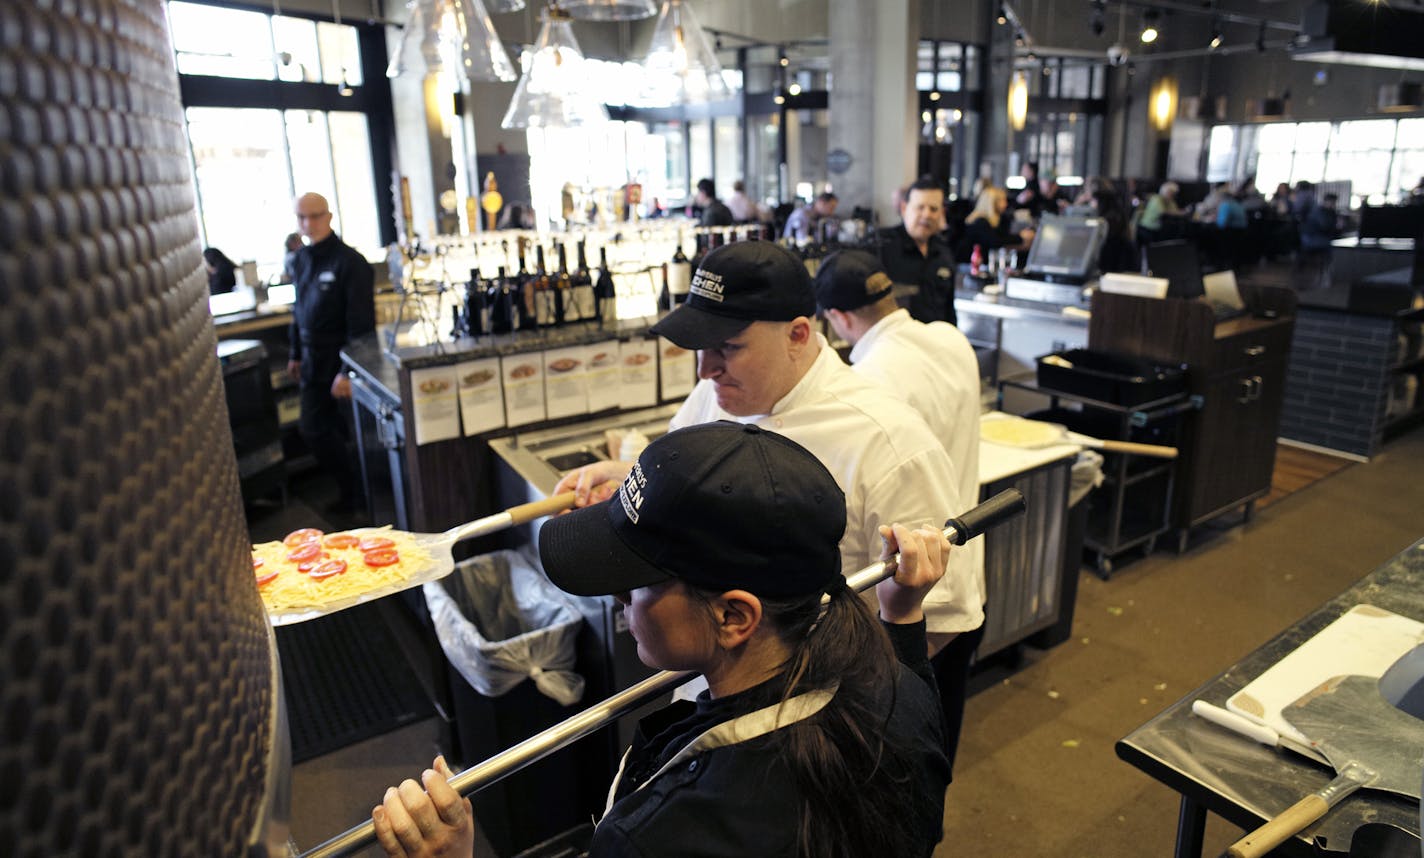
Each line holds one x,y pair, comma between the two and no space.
250,161
1380,159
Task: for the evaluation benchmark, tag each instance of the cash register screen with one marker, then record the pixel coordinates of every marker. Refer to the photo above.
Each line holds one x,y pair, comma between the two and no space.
1066,245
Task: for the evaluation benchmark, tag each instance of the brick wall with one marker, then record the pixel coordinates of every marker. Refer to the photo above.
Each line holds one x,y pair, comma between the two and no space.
1335,383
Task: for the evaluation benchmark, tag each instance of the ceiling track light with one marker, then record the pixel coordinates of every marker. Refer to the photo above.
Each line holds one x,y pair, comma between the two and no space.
1216,36
1096,17
1261,38
1149,27
1003,16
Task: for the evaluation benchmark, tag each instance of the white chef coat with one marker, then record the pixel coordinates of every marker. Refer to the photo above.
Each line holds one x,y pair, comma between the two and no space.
883,456
933,368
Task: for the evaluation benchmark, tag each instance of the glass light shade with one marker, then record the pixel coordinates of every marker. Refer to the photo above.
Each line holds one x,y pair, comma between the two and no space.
454,32
1018,101
552,93
498,6
419,45
681,66
482,55
609,10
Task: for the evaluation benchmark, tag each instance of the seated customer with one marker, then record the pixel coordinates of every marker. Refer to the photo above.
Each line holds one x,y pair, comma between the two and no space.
819,734
222,272
987,227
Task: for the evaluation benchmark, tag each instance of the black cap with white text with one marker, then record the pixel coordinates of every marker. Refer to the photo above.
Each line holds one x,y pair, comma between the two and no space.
735,285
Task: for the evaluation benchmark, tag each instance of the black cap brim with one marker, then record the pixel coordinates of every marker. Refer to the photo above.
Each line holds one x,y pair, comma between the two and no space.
694,329
582,555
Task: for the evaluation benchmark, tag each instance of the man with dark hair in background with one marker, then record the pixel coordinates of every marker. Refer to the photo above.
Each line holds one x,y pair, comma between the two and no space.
810,223
1031,197
917,257
714,211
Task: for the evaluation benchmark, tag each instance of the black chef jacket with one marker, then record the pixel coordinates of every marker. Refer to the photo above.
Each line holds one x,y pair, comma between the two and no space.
739,800
336,299
932,274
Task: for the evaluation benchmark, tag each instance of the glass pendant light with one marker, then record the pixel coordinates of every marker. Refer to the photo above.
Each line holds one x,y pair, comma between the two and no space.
419,45
552,92
457,29
681,66
610,10
482,55
498,6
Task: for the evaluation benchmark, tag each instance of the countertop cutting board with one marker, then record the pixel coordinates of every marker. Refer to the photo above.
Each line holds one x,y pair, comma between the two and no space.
1364,641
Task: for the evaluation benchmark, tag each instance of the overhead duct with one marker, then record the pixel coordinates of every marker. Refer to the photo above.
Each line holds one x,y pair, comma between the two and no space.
1363,34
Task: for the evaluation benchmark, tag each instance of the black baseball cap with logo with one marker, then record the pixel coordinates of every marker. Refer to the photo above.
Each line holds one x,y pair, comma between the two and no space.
722,506
737,284
850,279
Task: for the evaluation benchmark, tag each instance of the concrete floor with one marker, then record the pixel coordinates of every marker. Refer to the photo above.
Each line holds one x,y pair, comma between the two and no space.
1037,775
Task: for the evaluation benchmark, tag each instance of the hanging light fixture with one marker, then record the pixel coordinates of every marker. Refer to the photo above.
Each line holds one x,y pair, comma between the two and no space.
1164,104
1018,101
419,45
482,55
551,92
459,29
610,10
1149,27
498,6
681,66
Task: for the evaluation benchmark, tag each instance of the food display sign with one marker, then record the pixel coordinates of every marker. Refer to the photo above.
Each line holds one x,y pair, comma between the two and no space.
523,377
437,404
481,395
677,369
638,364
604,376
566,382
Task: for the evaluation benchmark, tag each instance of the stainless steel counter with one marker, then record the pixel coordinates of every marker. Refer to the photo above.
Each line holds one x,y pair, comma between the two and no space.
1245,782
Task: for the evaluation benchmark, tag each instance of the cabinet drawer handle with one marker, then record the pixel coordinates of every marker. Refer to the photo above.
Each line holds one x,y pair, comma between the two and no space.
1255,351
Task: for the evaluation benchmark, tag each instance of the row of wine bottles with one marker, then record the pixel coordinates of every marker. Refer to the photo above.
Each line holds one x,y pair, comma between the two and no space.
677,272
527,300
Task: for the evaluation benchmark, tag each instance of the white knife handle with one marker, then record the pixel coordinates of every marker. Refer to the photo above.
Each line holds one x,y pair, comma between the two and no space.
1236,723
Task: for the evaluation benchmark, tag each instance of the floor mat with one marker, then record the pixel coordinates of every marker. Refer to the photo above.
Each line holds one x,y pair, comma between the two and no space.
345,680
1297,468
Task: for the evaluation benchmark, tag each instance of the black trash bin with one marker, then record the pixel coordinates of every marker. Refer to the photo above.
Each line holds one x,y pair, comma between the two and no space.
509,641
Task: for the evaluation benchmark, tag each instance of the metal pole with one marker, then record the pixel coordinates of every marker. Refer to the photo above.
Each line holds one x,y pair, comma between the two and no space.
957,530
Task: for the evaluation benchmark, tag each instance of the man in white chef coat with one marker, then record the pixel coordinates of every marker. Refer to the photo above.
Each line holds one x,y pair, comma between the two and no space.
749,315
931,367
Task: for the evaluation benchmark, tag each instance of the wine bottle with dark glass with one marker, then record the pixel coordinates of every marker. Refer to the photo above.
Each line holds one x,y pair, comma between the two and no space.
564,291
581,284
605,291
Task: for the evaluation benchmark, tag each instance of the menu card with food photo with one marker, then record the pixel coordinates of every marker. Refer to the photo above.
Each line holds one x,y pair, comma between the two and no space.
437,405
678,368
565,382
481,396
604,376
523,388
638,362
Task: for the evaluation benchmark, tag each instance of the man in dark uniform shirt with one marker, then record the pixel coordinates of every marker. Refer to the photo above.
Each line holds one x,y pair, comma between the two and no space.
714,211
916,255
335,304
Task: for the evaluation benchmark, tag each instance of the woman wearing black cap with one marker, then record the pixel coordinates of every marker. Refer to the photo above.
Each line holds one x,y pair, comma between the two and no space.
820,732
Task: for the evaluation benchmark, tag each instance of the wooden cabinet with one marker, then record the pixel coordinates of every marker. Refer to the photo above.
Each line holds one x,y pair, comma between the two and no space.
1237,369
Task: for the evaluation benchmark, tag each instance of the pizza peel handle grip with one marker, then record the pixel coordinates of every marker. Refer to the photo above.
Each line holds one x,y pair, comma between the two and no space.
1156,451
1291,820
1001,507
538,509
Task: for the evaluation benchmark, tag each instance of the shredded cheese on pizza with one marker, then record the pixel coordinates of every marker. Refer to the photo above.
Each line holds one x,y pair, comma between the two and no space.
293,589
